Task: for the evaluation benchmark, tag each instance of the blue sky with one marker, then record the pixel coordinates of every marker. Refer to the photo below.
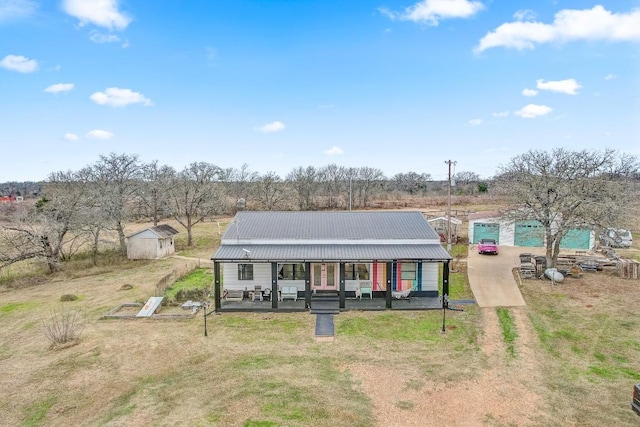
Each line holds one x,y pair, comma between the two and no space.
396,85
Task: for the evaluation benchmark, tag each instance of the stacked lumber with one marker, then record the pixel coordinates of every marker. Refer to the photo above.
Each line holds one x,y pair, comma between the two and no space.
628,268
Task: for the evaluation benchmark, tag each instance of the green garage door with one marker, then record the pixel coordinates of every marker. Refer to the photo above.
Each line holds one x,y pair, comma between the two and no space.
529,233
576,238
483,230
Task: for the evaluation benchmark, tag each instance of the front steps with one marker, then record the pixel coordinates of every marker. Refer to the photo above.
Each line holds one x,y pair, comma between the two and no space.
325,303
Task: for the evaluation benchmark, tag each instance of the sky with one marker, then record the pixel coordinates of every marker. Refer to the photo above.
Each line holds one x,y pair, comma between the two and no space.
398,85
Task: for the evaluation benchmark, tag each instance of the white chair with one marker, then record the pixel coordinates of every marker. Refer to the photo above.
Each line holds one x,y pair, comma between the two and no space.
257,292
364,288
290,292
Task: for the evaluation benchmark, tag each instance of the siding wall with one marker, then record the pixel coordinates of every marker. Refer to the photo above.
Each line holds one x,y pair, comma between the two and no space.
140,247
262,276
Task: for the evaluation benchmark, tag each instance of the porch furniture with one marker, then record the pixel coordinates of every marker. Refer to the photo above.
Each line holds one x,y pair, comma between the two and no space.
233,295
266,294
290,292
257,293
364,288
402,294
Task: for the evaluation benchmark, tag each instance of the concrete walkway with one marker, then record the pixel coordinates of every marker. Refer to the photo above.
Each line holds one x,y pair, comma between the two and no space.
491,277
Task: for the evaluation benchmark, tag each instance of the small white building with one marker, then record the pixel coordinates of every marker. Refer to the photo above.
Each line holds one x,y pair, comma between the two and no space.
151,243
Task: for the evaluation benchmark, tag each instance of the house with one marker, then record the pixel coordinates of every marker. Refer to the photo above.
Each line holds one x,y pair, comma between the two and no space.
320,254
6,199
524,233
151,243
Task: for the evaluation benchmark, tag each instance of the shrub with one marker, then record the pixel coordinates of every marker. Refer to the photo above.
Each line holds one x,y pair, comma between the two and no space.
68,297
63,328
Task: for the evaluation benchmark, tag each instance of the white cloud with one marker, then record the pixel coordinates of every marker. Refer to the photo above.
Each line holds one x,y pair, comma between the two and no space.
116,97
610,77
568,86
475,122
71,136
333,151
19,63
568,25
102,13
432,11
532,111
272,127
529,92
501,114
60,87
524,15
16,9
98,37
99,134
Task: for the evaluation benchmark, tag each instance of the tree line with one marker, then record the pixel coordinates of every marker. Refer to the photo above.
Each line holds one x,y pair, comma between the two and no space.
562,189
77,207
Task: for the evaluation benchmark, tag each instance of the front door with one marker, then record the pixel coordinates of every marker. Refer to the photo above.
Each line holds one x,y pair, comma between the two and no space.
324,277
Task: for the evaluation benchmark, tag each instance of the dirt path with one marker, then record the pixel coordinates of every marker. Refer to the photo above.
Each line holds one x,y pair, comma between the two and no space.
502,394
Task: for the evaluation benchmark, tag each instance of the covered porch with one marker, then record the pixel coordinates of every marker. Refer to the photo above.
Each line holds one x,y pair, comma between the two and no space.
374,304
321,286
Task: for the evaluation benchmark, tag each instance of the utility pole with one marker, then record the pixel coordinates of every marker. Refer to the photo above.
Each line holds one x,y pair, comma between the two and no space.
449,163
350,189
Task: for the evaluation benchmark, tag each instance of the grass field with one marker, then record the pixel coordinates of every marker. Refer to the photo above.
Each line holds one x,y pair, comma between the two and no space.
268,370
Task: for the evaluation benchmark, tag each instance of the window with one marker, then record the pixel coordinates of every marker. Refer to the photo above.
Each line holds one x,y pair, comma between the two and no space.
245,271
408,271
356,271
291,271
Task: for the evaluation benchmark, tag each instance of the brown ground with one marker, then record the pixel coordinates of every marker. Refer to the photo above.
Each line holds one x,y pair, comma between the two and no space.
504,394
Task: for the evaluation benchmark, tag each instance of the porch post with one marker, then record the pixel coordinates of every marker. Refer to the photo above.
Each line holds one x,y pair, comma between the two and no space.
307,285
216,286
274,285
389,284
445,283
342,286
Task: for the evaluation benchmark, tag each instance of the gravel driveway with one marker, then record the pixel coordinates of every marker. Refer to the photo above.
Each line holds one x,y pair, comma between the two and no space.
491,277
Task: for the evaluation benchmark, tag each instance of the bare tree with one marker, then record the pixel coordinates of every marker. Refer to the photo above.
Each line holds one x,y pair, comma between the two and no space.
269,188
332,181
466,178
152,192
44,231
466,182
239,183
194,195
117,177
565,189
370,181
304,182
411,182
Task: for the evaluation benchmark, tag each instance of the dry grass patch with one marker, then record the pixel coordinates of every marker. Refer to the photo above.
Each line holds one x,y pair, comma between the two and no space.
588,329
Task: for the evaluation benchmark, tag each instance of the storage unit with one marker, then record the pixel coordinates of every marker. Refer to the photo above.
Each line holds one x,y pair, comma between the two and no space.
486,230
577,238
529,233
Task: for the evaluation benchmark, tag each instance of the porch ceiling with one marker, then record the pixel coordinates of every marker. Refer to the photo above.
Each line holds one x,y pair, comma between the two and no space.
337,253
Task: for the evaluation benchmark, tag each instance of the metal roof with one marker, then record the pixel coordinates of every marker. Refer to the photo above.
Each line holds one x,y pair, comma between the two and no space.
332,226
162,230
330,252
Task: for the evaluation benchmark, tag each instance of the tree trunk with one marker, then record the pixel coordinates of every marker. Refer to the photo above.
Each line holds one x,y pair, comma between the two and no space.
94,249
189,235
123,243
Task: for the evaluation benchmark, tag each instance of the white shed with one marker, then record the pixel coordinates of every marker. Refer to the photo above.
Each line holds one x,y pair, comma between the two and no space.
151,243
